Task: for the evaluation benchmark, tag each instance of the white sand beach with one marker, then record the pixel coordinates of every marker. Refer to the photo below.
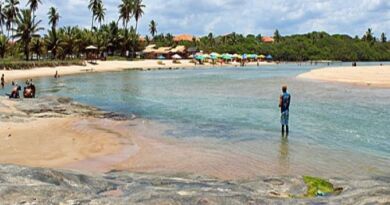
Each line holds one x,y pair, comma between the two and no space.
375,76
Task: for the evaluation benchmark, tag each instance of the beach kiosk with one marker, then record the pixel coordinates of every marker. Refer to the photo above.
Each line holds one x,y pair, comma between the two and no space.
92,54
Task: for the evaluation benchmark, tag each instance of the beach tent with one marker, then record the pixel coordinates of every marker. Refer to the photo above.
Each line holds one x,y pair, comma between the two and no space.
92,54
176,56
91,47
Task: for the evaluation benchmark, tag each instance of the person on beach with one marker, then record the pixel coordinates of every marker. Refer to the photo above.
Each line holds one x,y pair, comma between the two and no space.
284,104
56,75
2,81
15,91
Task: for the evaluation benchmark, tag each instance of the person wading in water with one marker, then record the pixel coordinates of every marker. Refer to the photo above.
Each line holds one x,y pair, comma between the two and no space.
284,104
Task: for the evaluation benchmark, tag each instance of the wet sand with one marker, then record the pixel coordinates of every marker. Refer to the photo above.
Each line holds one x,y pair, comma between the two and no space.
375,76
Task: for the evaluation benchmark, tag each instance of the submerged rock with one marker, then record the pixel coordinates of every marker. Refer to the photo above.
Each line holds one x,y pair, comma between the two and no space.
23,185
48,107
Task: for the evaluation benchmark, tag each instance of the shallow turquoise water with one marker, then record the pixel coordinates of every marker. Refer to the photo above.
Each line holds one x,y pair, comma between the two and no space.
241,105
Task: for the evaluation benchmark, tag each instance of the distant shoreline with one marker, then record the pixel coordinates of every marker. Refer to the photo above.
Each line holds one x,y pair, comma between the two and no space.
107,66
373,76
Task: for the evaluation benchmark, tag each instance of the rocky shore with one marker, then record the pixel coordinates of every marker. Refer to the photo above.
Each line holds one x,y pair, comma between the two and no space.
22,185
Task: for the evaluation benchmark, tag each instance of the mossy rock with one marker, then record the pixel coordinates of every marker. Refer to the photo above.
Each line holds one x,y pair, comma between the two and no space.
317,187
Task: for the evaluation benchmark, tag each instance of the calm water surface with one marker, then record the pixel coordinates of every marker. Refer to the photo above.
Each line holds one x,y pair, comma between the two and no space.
332,124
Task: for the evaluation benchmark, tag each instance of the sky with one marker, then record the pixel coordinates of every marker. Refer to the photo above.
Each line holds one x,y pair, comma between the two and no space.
200,17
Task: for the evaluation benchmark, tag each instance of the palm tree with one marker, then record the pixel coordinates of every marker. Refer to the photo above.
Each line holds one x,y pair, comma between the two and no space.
100,13
383,38
37,47
93,6
33,5
11,11
369,36
54,17
26,29
137,11
53,43
3,45
126,12
2,16
153,28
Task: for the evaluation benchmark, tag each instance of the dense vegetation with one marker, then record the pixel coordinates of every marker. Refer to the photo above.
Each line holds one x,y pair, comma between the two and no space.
20,39
311,46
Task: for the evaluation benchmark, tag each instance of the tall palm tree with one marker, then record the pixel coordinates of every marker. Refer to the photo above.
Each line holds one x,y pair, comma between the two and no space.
53,43
11,11
138,11
126,12
54,17
2,17
3,45
33,5
100,14
26,29
93,6
153,28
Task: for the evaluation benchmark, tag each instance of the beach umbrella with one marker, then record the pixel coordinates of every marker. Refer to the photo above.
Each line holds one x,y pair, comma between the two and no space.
236,55
161,57
206,56
214,55
176,56
269,57
226,56
191,56
91,47
244,56
261,56
199,57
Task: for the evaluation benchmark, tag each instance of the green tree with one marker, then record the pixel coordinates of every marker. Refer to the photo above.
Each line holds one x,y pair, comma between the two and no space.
126,12
153,28
33,4
277,36
11,11
368,36
138,12
3,17
37,46
383,38
3,45
26,30
54,17
93,6
100,14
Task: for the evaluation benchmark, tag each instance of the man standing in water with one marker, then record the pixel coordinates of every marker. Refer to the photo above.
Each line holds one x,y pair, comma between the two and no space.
284,104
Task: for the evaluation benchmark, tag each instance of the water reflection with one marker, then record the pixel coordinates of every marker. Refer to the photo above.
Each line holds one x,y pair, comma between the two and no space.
284,161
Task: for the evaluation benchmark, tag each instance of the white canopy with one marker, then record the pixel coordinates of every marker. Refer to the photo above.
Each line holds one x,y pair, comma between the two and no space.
176,56
91,47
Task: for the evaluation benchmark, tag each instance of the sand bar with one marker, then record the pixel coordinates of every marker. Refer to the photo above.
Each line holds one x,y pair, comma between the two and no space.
375,76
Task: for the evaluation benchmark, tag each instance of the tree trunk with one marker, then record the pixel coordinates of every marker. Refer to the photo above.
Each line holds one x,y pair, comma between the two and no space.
92,22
